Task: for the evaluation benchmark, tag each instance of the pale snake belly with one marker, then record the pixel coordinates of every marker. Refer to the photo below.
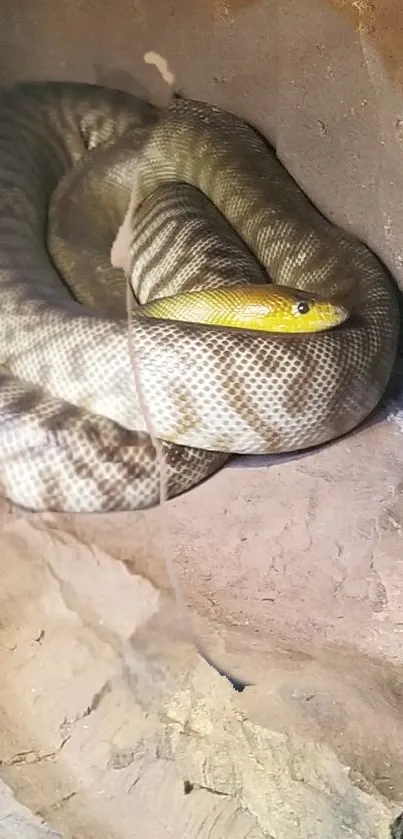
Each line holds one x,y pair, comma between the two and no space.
72,433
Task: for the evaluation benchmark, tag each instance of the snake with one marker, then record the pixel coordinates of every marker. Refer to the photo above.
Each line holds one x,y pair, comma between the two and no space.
215,207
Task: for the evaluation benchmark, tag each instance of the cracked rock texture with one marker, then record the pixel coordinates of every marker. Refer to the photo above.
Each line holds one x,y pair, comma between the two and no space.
112,725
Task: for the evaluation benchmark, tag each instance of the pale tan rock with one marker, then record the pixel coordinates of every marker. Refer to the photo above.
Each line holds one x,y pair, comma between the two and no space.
293,575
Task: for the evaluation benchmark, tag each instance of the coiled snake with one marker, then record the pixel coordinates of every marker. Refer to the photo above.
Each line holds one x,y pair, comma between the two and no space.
72,435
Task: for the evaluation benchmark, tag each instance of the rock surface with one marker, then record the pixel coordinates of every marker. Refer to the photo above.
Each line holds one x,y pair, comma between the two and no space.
108,710
112,724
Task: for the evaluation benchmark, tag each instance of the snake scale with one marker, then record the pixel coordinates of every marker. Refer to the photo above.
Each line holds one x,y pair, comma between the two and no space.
214,206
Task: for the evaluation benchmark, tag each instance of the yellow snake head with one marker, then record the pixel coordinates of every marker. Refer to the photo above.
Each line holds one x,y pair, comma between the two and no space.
266,308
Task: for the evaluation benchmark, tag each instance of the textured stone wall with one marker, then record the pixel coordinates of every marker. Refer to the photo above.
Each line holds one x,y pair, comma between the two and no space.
111,724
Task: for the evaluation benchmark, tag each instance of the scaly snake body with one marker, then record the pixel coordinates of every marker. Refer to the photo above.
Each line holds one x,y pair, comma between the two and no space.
72,434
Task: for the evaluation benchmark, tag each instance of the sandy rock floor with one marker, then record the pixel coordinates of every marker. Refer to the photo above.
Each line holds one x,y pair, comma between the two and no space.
108,711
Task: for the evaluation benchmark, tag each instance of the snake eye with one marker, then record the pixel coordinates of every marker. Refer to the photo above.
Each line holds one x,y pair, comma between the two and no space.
302,307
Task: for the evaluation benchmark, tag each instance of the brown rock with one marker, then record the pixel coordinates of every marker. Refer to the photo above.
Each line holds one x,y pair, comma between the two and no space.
112,725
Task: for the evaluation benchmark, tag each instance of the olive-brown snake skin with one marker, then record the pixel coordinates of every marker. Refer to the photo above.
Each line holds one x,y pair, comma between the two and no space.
72,435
